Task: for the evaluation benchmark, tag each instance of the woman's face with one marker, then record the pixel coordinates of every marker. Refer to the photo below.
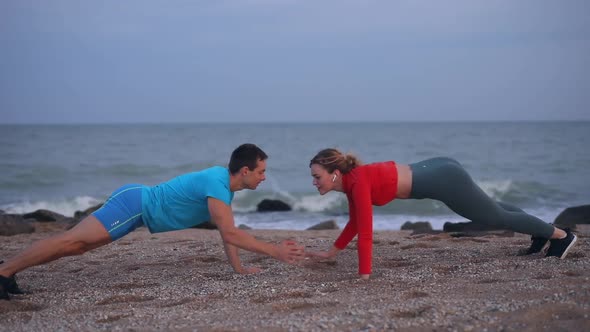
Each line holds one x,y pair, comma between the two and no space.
322,179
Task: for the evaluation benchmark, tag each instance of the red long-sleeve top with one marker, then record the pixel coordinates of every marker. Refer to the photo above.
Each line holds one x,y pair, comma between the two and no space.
365,186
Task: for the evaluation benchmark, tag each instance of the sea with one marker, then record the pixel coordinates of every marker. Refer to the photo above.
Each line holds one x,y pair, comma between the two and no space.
541,167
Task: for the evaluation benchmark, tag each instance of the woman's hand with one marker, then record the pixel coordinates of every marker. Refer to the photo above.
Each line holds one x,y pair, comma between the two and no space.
290,252
322,254
364,276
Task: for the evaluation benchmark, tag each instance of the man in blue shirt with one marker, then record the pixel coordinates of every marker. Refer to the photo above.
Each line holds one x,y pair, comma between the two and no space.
182,202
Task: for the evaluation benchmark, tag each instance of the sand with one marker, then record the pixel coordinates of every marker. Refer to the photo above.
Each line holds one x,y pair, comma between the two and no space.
181,281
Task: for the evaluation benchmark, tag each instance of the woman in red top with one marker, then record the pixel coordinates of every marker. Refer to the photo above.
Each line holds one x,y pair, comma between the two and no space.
443,179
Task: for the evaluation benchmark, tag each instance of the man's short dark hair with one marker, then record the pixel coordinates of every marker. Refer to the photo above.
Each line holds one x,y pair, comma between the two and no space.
245,155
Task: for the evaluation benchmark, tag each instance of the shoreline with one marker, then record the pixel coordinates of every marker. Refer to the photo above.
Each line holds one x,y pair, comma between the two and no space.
181,281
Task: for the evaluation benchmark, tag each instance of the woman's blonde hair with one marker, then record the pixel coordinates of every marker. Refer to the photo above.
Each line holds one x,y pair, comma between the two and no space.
332,159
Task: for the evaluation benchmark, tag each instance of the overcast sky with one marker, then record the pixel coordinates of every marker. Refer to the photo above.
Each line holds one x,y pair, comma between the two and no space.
282,61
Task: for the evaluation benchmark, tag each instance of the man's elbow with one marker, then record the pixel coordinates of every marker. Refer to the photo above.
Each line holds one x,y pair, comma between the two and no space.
229,235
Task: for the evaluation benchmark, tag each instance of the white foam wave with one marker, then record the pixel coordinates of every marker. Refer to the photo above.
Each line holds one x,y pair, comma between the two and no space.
496,189
66,207
318,203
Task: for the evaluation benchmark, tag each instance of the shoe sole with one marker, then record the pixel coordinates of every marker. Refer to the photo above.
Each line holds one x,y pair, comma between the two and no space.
545,247
569,247
543,250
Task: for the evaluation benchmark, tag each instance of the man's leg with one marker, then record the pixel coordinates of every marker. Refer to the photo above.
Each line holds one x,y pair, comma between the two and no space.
88,234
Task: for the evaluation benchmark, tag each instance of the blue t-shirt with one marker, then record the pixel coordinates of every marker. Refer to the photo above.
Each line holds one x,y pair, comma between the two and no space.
182,202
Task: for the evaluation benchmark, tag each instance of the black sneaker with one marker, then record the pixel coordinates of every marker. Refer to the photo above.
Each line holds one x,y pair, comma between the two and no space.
560,247
538,244
4,288
12,286
9,284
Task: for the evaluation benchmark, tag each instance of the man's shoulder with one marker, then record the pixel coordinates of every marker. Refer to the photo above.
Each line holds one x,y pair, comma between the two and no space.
215,171
216,177
208,173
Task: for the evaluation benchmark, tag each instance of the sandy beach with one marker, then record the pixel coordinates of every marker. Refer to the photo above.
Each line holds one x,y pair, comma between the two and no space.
181,281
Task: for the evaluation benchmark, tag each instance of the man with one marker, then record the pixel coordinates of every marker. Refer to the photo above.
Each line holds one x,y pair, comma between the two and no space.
182,202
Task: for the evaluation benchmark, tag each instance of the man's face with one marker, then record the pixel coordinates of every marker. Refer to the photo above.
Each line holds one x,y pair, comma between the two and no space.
252,178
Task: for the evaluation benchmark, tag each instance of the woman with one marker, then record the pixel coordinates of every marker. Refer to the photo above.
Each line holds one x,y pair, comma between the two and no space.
443,179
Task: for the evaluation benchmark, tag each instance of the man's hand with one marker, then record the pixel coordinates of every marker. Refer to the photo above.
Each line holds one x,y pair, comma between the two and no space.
290,252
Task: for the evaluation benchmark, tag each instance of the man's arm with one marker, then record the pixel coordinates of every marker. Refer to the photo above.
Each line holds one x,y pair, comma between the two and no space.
234,259
222,216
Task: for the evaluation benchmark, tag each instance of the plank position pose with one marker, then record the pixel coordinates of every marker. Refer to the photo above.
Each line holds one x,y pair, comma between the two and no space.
443,179
180,203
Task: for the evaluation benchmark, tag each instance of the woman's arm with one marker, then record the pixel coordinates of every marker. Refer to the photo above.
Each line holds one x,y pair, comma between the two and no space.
363,214
350,230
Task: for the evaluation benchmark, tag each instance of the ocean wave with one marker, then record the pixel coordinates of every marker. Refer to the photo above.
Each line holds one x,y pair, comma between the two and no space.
526,195
522,194
66,207
308,211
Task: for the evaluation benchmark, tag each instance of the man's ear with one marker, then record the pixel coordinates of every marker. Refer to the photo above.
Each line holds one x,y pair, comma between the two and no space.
244,170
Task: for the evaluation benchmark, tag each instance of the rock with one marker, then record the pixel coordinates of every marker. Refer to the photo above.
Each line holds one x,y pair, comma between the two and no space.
47,216
12,224
418,227
268,205
79,215
330,224
573,215
244,227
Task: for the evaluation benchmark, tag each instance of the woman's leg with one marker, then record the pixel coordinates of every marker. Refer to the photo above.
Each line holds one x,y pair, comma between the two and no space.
446,180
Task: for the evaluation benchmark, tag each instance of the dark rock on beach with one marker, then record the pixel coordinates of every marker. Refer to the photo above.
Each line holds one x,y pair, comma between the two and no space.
12,224
268,205
329,224
419,227
79,215
47,216
573,215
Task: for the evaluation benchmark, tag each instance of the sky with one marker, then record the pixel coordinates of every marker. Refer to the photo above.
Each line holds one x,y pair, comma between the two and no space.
127,61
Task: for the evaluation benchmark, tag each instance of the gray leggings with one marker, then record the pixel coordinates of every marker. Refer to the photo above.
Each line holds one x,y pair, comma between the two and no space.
444,179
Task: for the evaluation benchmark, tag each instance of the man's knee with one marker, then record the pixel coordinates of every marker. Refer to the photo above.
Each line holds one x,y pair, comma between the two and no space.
73,248
71,245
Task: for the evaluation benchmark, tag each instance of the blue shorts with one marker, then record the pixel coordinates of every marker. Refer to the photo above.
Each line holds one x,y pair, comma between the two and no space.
121,213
